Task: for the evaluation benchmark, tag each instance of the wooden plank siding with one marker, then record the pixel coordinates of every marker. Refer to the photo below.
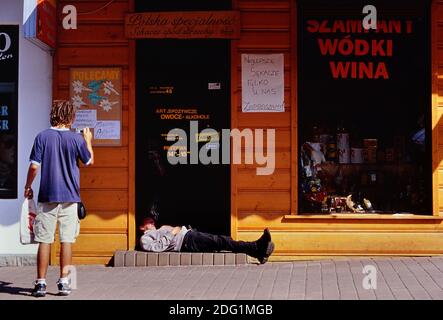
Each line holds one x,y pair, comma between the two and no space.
437,106
265,28
99,41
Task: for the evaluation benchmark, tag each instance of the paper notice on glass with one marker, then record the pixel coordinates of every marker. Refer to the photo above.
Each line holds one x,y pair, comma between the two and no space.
85,119
263,83
107,130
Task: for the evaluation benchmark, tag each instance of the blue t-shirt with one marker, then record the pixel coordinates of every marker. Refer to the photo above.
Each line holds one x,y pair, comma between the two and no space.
57,152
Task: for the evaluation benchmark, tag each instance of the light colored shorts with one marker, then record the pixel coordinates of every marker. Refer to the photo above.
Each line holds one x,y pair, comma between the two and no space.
47,216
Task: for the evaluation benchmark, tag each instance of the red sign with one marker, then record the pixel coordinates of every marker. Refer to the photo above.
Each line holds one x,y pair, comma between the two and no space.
46,22
341,38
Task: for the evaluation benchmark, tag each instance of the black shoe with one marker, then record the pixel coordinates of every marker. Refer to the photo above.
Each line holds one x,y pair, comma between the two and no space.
39,290
263,241
263,258
64,289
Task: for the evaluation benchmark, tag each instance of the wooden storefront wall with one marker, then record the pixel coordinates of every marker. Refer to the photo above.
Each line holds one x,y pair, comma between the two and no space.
105,186
437,105
256,201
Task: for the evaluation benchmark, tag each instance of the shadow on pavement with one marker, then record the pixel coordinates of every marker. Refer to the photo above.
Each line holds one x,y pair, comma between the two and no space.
6,288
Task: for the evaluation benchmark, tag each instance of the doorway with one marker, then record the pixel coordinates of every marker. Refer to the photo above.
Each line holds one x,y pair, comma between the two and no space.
179,81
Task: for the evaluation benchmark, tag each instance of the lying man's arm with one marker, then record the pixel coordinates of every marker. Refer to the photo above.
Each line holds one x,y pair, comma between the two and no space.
173,230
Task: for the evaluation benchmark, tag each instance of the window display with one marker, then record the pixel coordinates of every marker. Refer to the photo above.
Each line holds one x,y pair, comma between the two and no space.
362,140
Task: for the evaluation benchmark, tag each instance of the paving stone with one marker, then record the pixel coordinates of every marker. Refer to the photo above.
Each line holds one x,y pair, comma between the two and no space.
152,259
185,259
130,258
208,259
229,259
197,259
219,259
174,259
140,260
241,258
163,259
119,258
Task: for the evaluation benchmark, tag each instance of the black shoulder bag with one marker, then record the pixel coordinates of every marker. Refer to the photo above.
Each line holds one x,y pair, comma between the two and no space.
81,210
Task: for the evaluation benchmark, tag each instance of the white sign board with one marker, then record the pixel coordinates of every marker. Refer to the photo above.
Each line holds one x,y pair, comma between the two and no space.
107,130
85,119
263,87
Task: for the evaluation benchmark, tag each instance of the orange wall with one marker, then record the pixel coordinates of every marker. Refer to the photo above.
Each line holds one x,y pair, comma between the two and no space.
266,27
99,41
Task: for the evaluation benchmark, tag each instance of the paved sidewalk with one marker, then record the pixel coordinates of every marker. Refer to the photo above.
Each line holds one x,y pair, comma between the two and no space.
397,278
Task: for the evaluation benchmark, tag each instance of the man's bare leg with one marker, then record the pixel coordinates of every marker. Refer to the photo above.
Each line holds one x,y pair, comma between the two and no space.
44,251
65,259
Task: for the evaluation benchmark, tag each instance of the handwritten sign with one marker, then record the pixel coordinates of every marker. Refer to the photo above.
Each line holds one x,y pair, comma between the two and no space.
183,25
85,119
263,83
107,130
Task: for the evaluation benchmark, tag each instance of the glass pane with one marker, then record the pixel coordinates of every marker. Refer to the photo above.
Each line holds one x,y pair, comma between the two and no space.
364,107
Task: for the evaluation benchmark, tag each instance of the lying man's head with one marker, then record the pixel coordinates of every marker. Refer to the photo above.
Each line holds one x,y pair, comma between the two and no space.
147,224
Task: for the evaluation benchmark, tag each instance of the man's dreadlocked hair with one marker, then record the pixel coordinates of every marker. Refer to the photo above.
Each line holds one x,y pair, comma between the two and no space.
62,113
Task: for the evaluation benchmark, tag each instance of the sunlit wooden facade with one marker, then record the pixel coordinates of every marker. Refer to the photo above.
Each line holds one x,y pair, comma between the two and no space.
108,187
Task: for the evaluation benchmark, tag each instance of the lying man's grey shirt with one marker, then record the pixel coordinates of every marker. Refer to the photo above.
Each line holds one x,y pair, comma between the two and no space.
162,239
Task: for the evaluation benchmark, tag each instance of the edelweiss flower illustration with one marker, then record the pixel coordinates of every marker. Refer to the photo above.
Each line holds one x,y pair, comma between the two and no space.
79,87
94,96
109,87
107,105
77,101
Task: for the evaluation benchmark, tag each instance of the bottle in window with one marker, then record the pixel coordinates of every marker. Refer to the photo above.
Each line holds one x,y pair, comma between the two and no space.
343,145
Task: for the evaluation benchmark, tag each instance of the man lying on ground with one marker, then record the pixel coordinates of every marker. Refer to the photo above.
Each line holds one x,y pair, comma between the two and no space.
182,239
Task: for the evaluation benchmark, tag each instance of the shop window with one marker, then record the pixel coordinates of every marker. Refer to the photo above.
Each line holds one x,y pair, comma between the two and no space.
364,108
8,111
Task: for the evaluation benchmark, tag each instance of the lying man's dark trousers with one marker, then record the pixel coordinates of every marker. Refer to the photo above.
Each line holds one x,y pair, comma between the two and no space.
196,241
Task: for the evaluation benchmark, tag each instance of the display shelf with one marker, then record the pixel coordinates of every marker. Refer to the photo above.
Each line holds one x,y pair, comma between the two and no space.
368,216
383,164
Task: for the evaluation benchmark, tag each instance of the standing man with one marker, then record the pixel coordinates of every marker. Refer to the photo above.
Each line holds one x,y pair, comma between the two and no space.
57,151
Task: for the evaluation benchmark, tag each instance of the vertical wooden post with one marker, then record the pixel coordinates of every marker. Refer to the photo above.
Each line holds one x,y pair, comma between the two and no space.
294,110
131,147
435,120
234,102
